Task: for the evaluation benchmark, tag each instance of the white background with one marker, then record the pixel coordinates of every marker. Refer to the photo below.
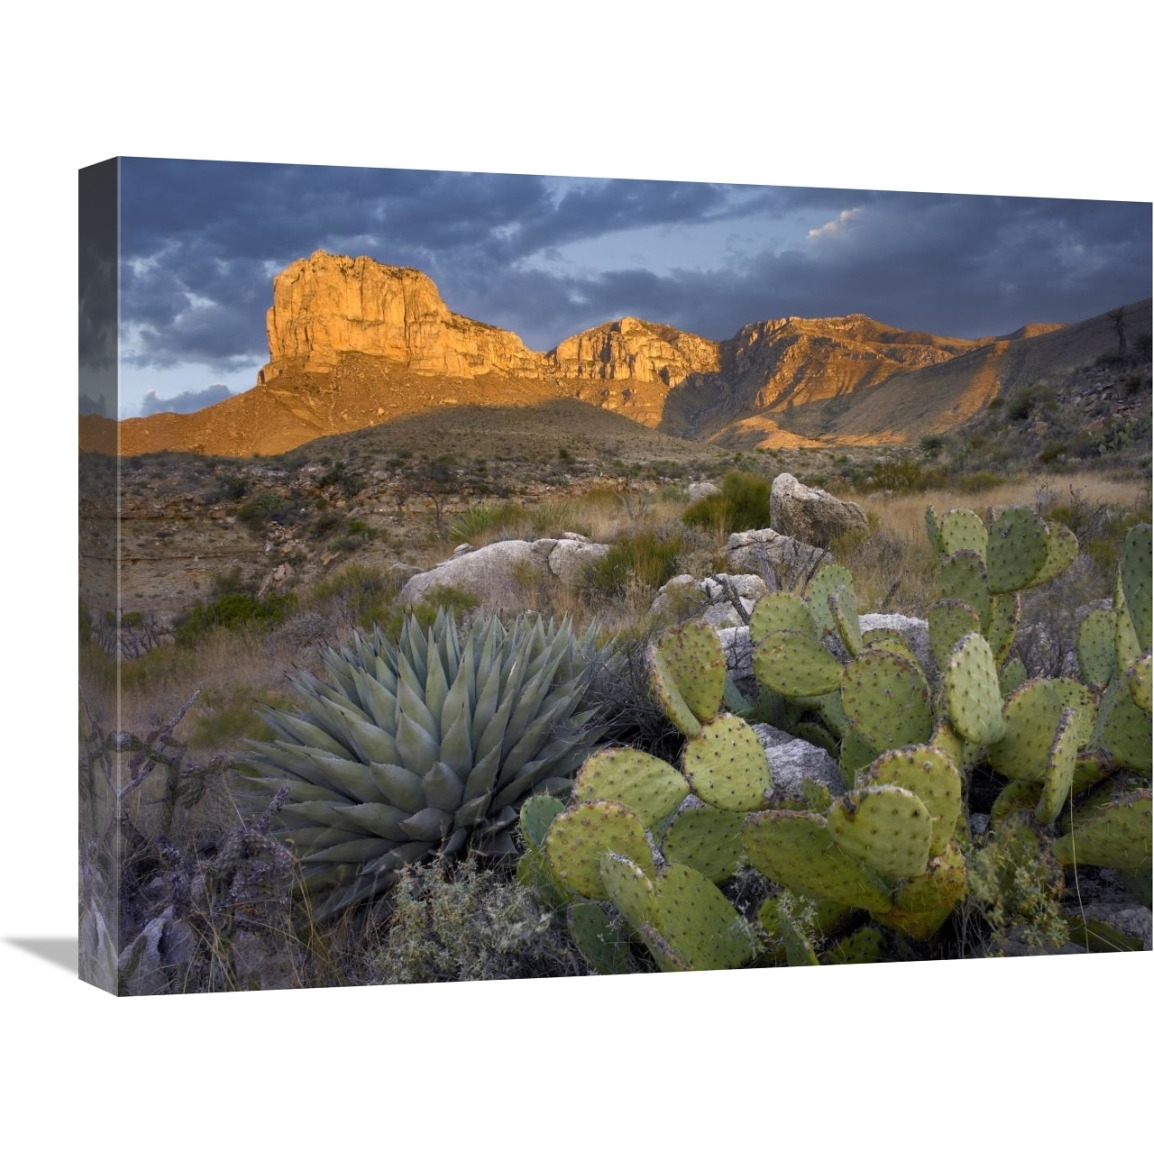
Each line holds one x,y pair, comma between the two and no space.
948,98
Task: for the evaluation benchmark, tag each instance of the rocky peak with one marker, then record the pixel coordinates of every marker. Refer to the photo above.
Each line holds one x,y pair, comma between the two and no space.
634,350
327,305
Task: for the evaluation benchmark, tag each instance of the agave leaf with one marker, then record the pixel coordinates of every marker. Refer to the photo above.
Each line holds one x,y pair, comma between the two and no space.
371,742
530,742
443,788
417,747
483,776
383,820
436,686
429,824
354,851
380,702
493,737
457,745
301,731
398,786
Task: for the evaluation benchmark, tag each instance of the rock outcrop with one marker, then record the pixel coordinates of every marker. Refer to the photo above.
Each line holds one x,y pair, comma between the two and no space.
501,575
811,515
758,549
327,306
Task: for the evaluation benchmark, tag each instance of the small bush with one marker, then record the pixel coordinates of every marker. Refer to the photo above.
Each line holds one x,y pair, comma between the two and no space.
474,524
264,509
643,559
467,925
742,504
233,611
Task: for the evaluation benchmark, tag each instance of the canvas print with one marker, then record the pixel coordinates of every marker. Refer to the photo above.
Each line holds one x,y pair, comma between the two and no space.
492,576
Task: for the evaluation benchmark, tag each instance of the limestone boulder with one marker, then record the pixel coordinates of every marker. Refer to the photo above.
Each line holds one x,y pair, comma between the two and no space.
709,598
811,515
792,761
699,490
757,550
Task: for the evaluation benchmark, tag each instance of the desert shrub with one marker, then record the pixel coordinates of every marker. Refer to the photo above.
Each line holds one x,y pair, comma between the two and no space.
466,924
358,594
1052,451
932,445
742,504
349,484
643,559
264,509
233,611
475,523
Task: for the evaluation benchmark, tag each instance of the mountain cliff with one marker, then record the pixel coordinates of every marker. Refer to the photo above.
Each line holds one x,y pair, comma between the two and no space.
354,343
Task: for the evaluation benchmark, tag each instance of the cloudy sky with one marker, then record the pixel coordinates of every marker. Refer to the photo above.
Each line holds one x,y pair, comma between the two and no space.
547,257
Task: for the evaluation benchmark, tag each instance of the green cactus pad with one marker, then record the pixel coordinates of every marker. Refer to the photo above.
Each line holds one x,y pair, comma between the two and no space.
962,577
1126,647
890,641
1095,647
856,753
650,787
933,777
687,662
962,529
666,691
1134,568
1016,797
922,904
933,529
885,827
796,665
1018,546
706,839
861,947
1115,834
630,891
886,700
949,622
537,815
1012,676
1061,552
1005,613
820,916
695,918
578,838
948,742
1124,729
1031,717
1138,680
1091,767
726,765
780,611
1060,773
844,613
973,695
829,579
600,940
668,960
798,851
795,943
818,735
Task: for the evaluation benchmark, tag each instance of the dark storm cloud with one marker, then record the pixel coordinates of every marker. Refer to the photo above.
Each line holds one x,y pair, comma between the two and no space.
186,402
201,241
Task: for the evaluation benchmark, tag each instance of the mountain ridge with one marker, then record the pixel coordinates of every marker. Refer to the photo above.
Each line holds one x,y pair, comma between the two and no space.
354,343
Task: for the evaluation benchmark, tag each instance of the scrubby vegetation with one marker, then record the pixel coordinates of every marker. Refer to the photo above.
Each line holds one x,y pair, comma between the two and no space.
1030,714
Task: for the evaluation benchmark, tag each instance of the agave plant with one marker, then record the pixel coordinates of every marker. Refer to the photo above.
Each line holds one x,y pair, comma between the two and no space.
422,747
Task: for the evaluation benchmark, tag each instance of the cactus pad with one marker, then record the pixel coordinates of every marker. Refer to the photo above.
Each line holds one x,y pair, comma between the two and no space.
933,530
1124,729
844,613
1031,717
1005,613
962,529
1018,546
1095,647
727,766
886,700
856,753
695,918
1138,679
687,665
1061,552
885,827
537,815
1115,834
780,611
932,776
798,851
1012,676
1015,797
1060,771
650,787
973,695
891,641
860,947
707,839
578,838
962,577
796,665
949,622
629,889
922,904
1135,571
829,579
